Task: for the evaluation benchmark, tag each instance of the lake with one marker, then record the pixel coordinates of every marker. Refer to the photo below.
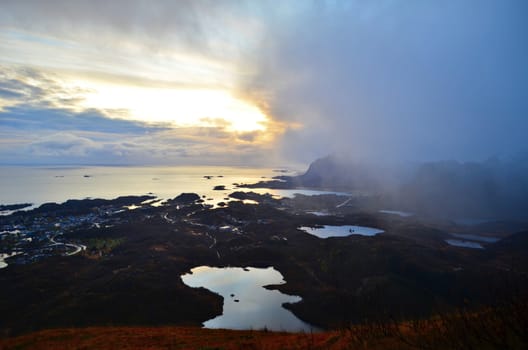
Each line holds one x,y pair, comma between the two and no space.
327,231
247,305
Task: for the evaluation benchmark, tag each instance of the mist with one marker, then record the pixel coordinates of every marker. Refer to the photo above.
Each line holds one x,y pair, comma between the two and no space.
389,81
422,104
492,190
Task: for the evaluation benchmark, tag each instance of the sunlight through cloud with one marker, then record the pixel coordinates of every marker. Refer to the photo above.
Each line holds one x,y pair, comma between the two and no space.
177,107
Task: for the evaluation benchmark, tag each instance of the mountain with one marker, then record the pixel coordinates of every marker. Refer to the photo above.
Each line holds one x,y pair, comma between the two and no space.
490,190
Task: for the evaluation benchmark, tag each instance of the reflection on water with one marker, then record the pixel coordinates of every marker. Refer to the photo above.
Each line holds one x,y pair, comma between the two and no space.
318,213
341,231
477,238
43,185
466,240
60,184
3,264
247,305
464,244
292,193
403,214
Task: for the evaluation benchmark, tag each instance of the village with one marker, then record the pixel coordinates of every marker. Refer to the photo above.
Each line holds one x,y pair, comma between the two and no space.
30,236
50,230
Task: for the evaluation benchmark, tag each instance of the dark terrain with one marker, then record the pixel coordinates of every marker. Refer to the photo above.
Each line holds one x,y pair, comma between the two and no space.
14,206
129,273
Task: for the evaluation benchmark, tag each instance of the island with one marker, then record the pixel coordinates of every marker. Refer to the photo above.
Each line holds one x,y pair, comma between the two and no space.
14,206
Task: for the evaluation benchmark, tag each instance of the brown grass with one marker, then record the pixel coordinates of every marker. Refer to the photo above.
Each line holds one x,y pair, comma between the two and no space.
489,328
167,338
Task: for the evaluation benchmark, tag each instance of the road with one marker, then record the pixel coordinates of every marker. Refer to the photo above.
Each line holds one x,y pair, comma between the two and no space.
78,247
344,203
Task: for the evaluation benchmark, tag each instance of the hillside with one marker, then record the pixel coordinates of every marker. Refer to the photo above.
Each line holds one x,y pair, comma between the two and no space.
498,328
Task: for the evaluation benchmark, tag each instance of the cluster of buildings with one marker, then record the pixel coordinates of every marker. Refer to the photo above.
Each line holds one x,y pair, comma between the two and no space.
30,237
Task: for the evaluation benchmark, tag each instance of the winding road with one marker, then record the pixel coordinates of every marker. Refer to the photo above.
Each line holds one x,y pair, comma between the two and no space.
78,247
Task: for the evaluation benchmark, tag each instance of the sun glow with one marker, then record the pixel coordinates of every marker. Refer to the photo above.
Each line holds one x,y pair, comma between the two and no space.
180,107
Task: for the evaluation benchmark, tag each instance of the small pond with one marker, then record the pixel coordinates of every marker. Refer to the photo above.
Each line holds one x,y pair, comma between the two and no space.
403,214
467,240
476,238
318,213
464,244
3,264
327,231
247,305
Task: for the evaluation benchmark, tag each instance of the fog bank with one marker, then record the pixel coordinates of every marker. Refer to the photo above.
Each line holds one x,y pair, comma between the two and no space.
386,80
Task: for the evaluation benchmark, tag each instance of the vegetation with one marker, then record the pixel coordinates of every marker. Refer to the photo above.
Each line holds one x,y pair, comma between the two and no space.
404,288
102,246
491,328
501,327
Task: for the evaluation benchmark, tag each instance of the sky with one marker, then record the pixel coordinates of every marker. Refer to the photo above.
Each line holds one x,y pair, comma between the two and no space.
261,82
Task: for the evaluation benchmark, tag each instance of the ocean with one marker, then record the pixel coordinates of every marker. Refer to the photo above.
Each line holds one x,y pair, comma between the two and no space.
38,185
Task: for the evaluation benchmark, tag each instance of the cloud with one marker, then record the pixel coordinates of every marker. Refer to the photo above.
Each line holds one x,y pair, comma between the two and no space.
189,41
10,94
380,80
33,101
160,44
34,119
388,80
41,123
64,144
63,137
29,86
24,143
71,19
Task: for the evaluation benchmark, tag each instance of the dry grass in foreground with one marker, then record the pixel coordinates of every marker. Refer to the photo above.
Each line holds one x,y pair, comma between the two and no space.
166,338
504,327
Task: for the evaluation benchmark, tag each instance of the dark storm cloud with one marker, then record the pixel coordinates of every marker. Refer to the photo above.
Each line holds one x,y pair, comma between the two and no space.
393,80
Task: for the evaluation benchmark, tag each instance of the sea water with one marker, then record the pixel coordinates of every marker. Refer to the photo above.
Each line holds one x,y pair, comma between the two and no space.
38,185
